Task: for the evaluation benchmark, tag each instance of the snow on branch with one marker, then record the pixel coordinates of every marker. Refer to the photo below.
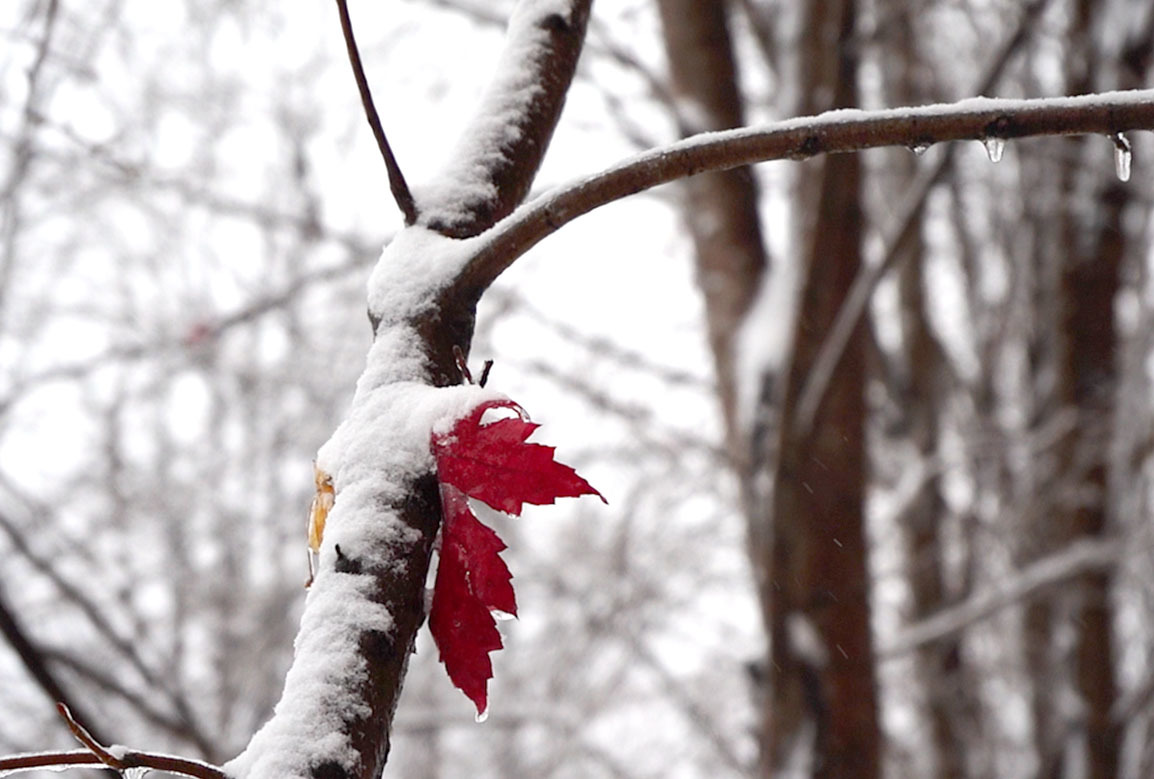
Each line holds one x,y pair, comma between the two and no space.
991,121
498,154
1078,558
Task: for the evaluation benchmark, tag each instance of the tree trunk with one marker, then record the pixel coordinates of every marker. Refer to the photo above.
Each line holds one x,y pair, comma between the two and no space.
822,673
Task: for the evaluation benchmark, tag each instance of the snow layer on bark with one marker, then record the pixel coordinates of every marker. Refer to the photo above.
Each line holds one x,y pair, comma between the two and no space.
374,457
413,269
492,134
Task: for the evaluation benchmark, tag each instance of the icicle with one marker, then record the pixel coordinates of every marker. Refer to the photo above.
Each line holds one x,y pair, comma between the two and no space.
920,148
1123,155
995,146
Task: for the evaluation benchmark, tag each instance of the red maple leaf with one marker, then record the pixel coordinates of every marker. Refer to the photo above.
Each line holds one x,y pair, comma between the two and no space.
494,464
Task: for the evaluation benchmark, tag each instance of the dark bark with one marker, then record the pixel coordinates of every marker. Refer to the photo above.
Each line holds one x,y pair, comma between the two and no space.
1095,250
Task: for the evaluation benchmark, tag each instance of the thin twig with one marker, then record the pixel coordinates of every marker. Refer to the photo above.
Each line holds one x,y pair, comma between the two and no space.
397,183
127,759
84,737
56,761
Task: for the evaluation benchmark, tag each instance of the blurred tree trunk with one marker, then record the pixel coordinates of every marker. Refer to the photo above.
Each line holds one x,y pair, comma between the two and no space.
1094,246
1087,381
822,665
921,391
720,208
808,550
720,211
941,666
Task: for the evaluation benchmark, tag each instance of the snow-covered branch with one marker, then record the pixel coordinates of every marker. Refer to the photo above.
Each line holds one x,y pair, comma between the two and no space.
1078,558
498,154
992,121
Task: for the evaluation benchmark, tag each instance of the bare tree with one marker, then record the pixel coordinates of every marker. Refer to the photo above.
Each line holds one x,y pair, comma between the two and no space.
463,230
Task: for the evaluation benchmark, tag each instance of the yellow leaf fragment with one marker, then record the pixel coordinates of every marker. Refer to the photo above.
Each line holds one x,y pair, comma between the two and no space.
318,514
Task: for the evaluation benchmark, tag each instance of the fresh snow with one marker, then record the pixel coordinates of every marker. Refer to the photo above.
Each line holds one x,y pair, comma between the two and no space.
490,136
373,457
414,267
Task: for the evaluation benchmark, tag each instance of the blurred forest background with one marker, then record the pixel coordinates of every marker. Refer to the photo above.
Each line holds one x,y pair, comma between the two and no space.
932,556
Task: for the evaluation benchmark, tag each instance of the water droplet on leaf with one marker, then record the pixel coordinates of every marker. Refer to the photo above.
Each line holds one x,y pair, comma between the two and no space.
995,146
482,715
1123,156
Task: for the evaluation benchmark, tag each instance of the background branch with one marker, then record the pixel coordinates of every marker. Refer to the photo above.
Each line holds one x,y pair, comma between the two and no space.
1076,559
34,662
55,761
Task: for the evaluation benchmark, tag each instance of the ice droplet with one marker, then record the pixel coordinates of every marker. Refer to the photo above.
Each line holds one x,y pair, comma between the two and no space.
482,715
1123,156
995,146
920,148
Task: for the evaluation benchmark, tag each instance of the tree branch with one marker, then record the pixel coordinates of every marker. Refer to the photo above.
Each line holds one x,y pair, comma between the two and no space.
833,132
74,594
493,166
363,610
129,759
116,758
397,184
1076,559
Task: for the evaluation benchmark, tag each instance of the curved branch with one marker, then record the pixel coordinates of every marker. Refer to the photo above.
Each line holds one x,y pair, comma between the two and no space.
83,757
116,758
833,132
1076,559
